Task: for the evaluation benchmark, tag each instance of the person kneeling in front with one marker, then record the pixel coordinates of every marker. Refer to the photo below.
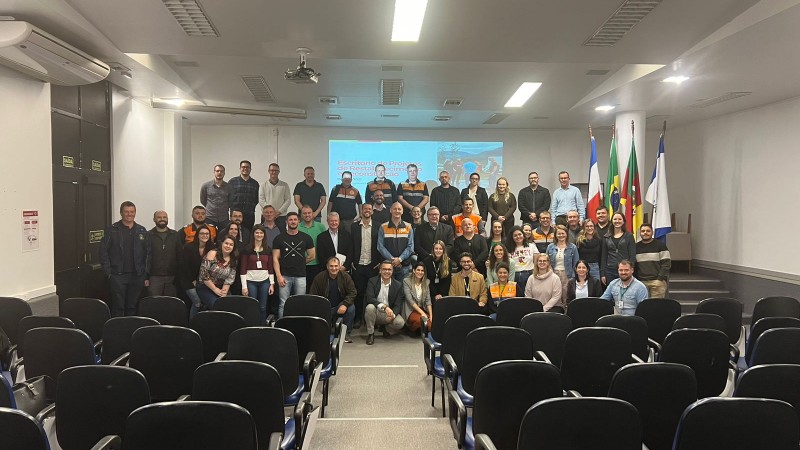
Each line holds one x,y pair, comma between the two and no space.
384,298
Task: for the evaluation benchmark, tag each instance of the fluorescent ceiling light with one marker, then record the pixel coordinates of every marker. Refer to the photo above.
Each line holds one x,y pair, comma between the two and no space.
173,101
604,108
522,95
408,16
676,79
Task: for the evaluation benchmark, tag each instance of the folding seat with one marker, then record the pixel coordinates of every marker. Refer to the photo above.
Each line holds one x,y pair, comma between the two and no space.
88,314
777,346
660,314
591,357
776,307
584,312
707,352
706,321
758,328
30,322
117,333
511,311
20,431
729,309
317,306
166,310
548,331
51,350
775,381
636,327
247,307
214,328
443,309
12,310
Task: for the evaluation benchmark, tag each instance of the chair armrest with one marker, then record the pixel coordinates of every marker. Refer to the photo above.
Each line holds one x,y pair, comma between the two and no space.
654,345
424,328
110,442
300,413
484,442
458,417
14,369
308,370
573,393
184,398
275,440
734,353
98,346
636,358
540,356
48,411
315,375
429,349
122,360
451,372
334,355
221,356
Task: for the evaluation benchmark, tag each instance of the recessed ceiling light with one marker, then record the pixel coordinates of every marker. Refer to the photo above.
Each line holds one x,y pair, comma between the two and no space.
604,108
408,17
676,79
524,92
173,101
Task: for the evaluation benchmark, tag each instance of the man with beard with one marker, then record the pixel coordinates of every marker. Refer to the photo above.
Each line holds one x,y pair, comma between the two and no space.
291,251
165,248
380,212
626,291
187,233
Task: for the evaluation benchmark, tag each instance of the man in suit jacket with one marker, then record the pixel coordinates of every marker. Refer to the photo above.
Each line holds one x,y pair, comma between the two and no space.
335,242
384,297
365,256
468,282
428,233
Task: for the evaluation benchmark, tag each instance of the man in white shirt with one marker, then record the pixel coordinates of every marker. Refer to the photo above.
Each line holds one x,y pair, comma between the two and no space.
276,193
365,256
384,297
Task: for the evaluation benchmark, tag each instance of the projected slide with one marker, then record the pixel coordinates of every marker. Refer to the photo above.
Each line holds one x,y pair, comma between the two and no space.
458,158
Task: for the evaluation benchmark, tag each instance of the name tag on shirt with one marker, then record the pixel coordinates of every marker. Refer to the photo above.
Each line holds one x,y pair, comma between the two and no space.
258,264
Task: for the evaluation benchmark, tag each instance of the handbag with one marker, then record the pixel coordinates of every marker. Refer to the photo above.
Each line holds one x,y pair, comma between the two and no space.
31,395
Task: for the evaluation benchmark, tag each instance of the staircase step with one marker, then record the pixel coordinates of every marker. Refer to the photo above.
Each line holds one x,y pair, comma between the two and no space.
695,284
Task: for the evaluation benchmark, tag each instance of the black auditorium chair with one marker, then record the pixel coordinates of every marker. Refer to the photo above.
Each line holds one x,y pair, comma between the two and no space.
30,322
660,392
584,312
482,346
636,327
706,321
775,381
256,387
660,314
738,424
196,425
767,323
20,431
51,350
707,352
93,402
577,423
777,346
729,309
12,310
312,335
776,306
278,348
117,333
247,307
548,331
214,328
317,306
166,310
88,314
511,311
591,357
443,309
452,343
167,356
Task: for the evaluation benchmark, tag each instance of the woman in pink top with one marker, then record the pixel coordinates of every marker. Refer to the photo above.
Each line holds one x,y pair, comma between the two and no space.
545,285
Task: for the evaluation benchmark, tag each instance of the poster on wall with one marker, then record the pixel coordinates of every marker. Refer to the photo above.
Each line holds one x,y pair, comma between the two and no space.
30,230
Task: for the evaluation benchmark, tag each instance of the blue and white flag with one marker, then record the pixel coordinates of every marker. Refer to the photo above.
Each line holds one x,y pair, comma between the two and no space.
657,195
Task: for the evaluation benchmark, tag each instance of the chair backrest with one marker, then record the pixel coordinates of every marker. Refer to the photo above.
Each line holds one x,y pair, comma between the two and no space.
584,312
548,332
51,350
95,401
117,333
456,331
167,356
13,309
737,424
776,381
591,357
19,431
214,328
777,346
585,422
247,307
701,320
767,323
88,314
660,314
486,345
254,386
660,392
776,307
308,305
511,311
166,310
312,335
274,346
635,326
194,424
729,309
28,323
447,307
504,392
705,351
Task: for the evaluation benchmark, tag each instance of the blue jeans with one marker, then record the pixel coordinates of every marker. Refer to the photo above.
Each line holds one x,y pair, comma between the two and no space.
207,298
259,290
521,277
347,318
594,270
294,286
192,294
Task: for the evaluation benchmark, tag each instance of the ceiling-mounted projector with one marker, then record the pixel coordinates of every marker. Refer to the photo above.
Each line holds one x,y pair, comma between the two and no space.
303,74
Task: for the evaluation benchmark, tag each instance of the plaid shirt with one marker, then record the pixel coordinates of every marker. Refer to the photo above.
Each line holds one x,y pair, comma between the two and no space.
244,194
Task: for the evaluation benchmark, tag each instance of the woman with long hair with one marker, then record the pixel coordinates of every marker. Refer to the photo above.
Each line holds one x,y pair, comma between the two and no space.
502,288
583,285
217,273
496,235
618,244
503,204
191,258
235,231
416,287
439,270
256,272
545,285
527,231
563,257
589,246
498,254
523,253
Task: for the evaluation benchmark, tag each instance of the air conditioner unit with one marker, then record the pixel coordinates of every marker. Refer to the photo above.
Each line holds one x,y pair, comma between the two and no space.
29,50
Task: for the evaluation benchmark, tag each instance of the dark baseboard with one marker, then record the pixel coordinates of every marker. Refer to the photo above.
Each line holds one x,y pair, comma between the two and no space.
749,284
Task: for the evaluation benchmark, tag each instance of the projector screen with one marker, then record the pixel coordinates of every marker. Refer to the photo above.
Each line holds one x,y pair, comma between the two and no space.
431,157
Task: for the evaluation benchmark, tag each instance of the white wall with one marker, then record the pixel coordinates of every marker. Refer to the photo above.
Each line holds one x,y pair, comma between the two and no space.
26,183
737,174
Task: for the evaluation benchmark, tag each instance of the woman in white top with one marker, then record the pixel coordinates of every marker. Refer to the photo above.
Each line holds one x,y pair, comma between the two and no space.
545,286
523,253
418,298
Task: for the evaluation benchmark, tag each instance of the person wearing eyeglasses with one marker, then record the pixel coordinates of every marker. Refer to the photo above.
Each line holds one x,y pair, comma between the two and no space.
385,301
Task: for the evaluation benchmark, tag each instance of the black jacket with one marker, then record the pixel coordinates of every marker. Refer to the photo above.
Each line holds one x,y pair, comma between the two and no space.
325,249
111,250
595,288
396,296
165,249
482,198
447,200
425,237
355,235
529,201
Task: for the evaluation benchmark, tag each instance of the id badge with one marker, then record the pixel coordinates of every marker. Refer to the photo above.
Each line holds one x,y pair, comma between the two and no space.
258,264
619,304
436,280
